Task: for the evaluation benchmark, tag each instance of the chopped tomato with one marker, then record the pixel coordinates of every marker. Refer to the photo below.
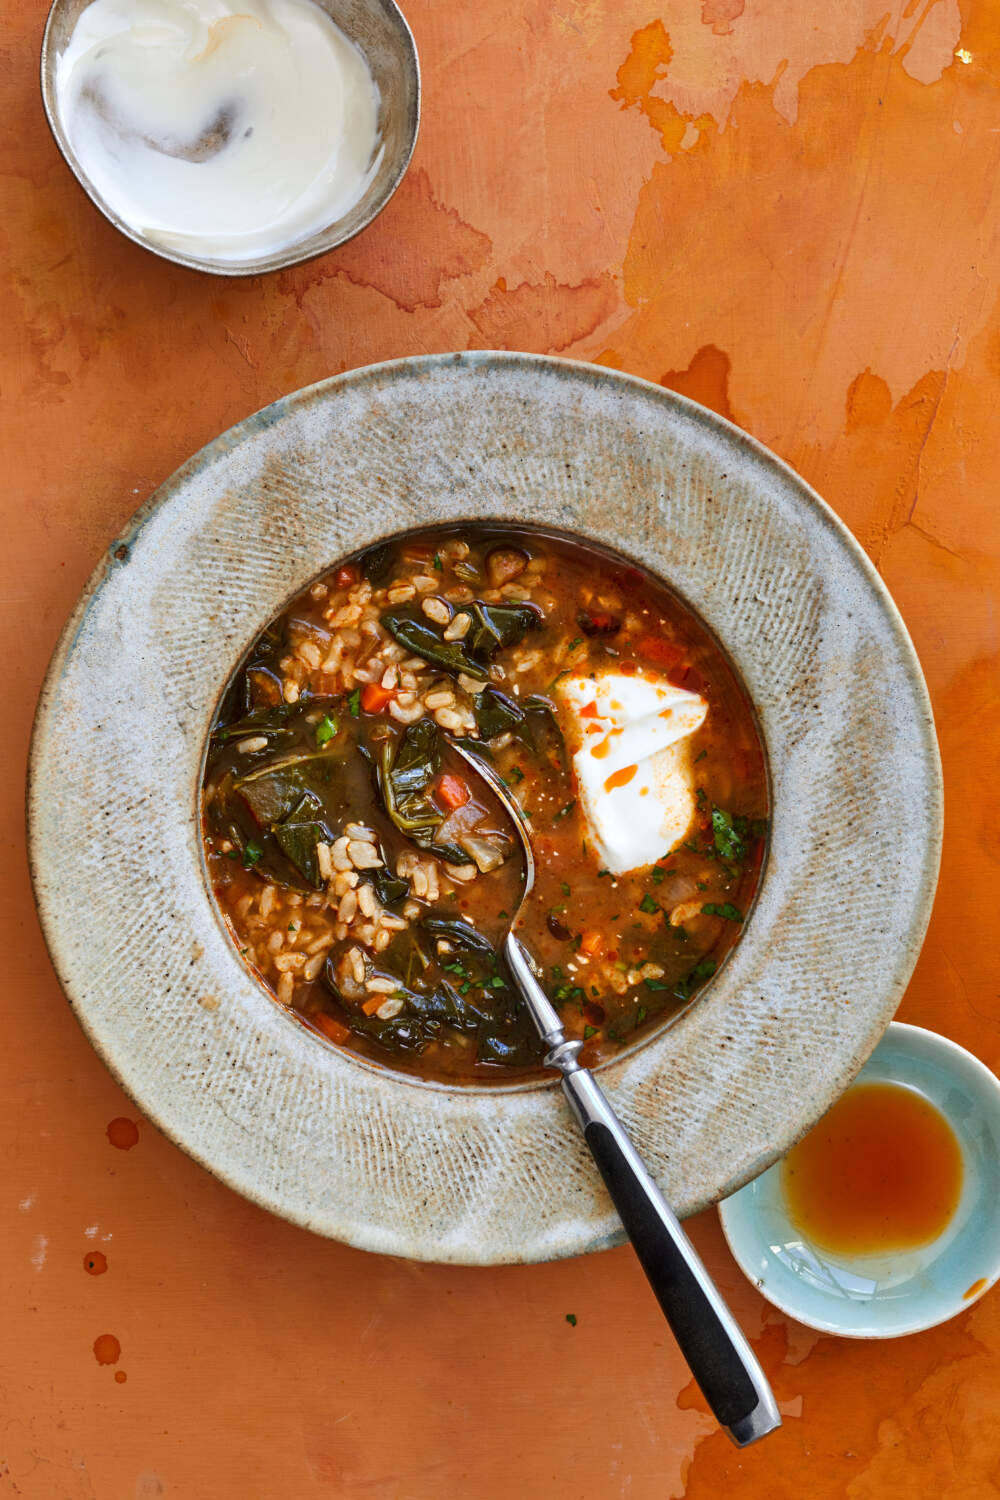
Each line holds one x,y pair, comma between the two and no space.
374,697
589,710
452,791
345,576
658,649
592,943
330,1027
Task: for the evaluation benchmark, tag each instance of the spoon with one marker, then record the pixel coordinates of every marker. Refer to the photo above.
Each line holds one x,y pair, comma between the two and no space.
720,1359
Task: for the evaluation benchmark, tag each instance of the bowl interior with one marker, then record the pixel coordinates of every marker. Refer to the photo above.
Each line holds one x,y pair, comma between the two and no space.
380,31
883,1296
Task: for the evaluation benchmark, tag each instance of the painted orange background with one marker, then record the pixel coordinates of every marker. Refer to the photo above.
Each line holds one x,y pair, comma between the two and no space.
786,211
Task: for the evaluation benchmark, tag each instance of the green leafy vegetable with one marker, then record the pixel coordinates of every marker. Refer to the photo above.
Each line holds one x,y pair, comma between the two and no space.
388,888
726,909
326,729
354,703
571,1319
729,833
588,1032
647,904
565,811
375,564
421,640
495,626
495,713
685,988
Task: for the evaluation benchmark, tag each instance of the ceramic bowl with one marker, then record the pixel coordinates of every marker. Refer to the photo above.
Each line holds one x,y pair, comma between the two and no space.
415,1168
379,29
884,1296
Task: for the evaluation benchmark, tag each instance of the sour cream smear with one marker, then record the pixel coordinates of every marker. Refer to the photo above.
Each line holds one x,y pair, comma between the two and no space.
221,133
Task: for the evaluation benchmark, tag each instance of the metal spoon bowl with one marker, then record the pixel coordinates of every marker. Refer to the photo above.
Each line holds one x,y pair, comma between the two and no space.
710,1339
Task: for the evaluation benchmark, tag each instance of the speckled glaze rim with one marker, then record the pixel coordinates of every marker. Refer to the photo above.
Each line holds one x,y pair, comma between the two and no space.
478,1176
321,241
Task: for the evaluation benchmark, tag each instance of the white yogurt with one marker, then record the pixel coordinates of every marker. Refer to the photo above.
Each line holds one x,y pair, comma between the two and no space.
223,133
633,764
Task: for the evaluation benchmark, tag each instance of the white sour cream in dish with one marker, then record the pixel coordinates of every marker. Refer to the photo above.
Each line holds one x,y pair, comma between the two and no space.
633,764
219,132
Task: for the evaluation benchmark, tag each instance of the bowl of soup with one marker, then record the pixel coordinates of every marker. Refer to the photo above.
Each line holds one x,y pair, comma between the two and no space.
244,772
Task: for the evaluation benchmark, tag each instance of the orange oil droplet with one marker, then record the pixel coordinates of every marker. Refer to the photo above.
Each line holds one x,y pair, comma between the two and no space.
123,1133
974,1289
600,751
95,1263
120,1377
620,778
107,1349
881,1171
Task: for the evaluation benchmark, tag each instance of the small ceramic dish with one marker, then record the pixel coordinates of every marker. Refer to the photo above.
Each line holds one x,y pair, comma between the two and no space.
887,1295
378,28
408,1166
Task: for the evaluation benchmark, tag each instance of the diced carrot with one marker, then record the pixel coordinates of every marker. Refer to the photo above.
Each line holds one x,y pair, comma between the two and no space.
372,1005
589,710
452,791
374,697
345,576
592,943
330,1027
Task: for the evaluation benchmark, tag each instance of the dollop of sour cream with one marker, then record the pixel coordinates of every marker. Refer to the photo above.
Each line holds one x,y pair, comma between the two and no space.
633,764
224,133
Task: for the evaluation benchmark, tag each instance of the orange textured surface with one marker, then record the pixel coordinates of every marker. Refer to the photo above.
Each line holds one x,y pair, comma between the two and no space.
788,212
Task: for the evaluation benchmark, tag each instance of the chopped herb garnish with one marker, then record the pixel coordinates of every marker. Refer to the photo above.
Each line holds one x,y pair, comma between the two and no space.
658,874
700,756
516,774
577,641
647,904
571,1319
701,971
251,854
700,796
564,812
655,984
601,874
354,703
640,1015
726,909
728,832
326,729
564,888
703,886
588,1032
438,564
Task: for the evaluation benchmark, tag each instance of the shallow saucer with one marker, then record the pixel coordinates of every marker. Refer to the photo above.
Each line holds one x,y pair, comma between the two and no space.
885,1296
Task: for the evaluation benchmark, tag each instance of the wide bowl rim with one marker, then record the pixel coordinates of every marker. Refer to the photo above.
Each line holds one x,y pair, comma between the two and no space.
415,365
900,1036
280,260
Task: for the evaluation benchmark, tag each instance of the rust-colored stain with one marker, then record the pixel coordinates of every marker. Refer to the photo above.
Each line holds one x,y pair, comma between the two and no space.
95,1263
120,1377
107,1349
122,1133
787,212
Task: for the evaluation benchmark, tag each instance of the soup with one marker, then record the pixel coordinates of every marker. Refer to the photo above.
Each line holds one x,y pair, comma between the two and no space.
367,875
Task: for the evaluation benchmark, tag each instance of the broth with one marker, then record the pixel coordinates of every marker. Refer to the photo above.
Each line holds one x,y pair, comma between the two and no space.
368,878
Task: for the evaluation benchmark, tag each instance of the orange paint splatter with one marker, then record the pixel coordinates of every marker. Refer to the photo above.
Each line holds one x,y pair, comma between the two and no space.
720,15
706,380
620,778
120,1377
599,752
95,1263
414,246
546,317
107,1349
123,1133
642,70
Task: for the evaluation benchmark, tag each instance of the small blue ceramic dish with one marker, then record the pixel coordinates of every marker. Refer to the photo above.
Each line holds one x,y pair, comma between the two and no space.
887,1295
